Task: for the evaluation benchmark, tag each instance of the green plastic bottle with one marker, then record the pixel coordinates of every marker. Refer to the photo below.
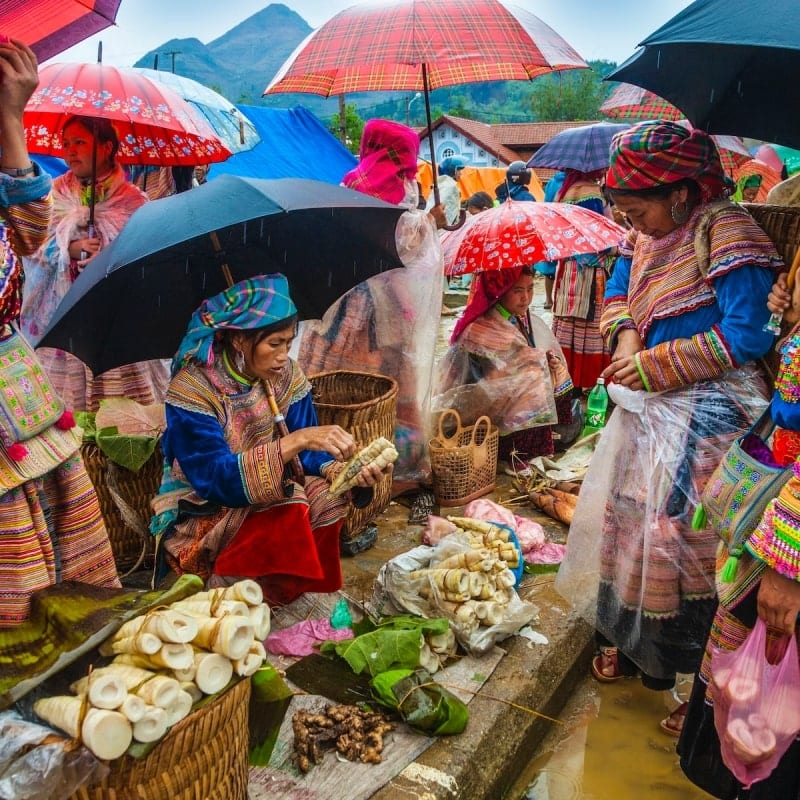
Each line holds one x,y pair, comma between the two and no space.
596,408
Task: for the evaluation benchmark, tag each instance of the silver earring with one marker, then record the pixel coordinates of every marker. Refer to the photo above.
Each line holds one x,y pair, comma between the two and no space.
679,217
238,359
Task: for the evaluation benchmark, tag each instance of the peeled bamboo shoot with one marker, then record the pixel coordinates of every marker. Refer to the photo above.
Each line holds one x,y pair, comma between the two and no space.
212,672
133,707
228,636
192,689
159,691
209,607
168,624
260,619
179,707
104,689
247,591
144,643
152,726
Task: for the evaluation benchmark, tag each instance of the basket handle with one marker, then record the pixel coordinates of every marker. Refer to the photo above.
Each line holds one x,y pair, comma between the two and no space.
453,440
480,452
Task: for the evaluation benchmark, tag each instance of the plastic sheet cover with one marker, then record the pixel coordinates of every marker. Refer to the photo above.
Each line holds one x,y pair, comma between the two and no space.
634,568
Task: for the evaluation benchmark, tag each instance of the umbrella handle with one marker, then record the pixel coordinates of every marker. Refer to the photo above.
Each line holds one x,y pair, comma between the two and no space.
462,218
294,465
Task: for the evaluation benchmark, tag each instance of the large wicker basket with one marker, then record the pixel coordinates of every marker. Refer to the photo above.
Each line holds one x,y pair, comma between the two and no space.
781,224
365,405
203,757
463,459
121,489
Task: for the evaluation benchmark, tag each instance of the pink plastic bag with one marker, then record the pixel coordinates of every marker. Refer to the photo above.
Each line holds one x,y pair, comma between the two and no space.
756,704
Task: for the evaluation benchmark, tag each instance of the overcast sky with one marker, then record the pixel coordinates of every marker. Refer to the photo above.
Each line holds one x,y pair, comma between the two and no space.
597,29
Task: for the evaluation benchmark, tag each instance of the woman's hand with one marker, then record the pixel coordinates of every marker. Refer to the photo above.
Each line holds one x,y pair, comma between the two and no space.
79,248
782,301
372,473
778,601
624,372
439,215
328,438
553,361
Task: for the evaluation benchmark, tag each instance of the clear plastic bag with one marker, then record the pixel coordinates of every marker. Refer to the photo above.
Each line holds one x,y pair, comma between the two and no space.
756,704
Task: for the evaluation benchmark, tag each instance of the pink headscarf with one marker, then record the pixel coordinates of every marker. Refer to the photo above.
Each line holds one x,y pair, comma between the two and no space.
387,158
485,291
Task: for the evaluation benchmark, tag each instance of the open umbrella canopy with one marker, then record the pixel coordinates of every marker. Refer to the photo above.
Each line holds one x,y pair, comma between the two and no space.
384,46
585,148
235,130
627,101
49,27
154,124
729,65
133,301
522,232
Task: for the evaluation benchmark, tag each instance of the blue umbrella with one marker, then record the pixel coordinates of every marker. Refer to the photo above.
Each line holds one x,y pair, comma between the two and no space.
133,301
585,148
731,66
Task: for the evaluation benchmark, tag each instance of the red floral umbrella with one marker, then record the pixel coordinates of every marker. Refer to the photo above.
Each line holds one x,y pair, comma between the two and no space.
399,45
521,232
632,102
154,124
49,27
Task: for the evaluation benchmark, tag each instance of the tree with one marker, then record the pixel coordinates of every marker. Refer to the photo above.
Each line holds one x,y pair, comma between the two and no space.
353,127
573,95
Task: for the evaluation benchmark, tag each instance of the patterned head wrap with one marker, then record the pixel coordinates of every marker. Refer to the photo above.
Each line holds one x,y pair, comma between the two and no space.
247,305
387,158
652,154
485,291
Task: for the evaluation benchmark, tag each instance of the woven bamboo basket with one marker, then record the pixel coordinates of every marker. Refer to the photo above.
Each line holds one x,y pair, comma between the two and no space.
203,757
365,405
130,538
463,459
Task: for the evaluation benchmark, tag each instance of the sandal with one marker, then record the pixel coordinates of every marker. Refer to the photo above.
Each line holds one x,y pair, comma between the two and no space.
605,666
672,724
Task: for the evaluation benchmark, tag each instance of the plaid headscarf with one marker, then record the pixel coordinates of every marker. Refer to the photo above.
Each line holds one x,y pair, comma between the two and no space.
652,154
387,158
485,291
247,305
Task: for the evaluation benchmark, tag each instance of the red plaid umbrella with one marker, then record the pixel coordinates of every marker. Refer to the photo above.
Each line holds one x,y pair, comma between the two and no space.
422,45
632,102
49,27
521,232
154,124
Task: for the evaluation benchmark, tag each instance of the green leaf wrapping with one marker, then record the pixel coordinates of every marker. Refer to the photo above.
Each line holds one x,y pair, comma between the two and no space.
269,700
394,643
85,421
130,452
425,705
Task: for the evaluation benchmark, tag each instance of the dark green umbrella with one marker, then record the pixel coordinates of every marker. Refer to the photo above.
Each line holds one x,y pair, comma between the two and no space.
731,66
133,301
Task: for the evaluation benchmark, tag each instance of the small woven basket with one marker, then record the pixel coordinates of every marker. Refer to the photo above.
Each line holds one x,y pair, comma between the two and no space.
365,405
130,538
203,757
463,459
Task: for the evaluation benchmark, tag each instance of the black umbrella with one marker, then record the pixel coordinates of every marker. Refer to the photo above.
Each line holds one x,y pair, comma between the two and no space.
133,301
731,66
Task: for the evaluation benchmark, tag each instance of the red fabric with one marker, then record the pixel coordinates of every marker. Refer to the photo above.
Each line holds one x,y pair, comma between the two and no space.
633,102
49,27
155,125
279,547
484,292
381,46
785,446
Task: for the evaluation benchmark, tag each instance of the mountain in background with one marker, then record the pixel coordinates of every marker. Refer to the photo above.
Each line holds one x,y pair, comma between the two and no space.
240,64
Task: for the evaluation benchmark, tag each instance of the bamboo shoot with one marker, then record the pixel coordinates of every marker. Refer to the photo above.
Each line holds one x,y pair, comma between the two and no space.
212,672
228,636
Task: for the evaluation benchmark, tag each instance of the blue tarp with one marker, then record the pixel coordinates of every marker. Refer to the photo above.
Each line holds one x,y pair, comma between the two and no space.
294,144
50,164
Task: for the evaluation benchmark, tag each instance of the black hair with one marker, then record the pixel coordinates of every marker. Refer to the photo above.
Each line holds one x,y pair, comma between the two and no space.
661,192
482,200
101,129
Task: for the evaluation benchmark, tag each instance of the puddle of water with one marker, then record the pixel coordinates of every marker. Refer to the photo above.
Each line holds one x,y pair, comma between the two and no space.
610,747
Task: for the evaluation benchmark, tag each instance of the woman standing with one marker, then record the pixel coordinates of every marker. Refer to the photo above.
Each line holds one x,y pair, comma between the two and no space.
504,362
69,247
684,332
227,508
49,515
579,287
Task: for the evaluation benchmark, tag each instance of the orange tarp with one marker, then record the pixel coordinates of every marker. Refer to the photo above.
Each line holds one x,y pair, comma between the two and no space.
476,179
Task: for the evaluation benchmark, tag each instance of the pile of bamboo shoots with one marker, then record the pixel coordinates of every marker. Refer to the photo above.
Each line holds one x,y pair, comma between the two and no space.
164,662
475,586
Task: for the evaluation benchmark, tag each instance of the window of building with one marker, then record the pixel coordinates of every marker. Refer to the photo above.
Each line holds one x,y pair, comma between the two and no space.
448,152
481,153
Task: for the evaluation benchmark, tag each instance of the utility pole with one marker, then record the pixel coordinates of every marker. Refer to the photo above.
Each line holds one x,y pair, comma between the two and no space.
173,53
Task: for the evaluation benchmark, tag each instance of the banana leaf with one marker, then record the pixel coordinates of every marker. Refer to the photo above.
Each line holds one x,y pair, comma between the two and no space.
394,643
269,700
425,705
128,450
